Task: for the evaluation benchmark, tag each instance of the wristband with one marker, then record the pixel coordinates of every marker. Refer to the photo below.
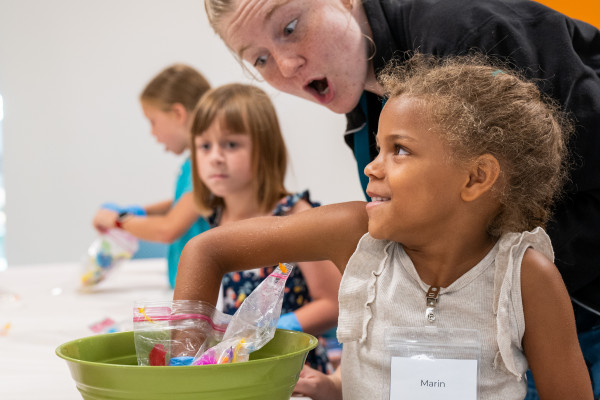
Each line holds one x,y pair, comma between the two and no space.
134,210
131,209
289,321
120,219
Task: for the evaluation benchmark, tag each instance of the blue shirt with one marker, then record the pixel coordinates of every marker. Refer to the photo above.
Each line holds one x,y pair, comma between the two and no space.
183,186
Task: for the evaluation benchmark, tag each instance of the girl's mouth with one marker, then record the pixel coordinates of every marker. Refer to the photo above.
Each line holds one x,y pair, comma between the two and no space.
320,89
376,197
218,176
376,201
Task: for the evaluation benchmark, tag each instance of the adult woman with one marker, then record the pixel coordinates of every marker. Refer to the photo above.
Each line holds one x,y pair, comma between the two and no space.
329,52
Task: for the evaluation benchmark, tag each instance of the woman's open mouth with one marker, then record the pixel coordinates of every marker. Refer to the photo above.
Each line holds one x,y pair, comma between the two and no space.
320,89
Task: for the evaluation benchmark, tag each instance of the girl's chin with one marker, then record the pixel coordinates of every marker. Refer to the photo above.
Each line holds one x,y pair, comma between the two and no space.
376,233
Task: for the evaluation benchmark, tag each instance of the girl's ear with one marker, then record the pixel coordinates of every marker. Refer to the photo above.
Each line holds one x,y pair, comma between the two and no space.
179,112
483,174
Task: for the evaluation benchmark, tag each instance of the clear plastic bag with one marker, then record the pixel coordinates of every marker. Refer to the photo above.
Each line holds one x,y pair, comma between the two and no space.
172,332
105,253
253,325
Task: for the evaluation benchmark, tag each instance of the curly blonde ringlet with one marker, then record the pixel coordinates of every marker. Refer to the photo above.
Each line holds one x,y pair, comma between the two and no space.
243,109
479,106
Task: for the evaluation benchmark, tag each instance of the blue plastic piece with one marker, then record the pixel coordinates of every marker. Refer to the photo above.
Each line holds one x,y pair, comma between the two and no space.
179,361
104,259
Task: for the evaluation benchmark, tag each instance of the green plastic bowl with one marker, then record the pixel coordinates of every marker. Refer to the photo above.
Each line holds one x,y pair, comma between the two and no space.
105,367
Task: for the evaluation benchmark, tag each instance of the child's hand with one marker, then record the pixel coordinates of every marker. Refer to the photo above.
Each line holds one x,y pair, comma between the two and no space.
105,220
318,386
289,321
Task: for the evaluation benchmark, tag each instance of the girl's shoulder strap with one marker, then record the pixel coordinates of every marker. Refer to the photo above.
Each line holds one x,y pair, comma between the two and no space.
215,218
289,201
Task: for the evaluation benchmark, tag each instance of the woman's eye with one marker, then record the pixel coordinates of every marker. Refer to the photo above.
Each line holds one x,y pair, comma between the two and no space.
260,61
290,28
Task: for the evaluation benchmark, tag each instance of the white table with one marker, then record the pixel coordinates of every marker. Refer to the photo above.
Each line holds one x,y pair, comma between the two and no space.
51,310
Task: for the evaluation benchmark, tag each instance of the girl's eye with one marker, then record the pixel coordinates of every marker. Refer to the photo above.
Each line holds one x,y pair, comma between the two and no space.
203,146
290,28
400,150
231,145
260,61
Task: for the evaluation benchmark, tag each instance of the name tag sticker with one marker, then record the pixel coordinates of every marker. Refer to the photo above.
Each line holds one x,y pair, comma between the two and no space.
421,378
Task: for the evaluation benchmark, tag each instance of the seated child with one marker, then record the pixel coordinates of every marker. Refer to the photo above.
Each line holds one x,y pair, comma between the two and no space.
168,101
239,162
471,158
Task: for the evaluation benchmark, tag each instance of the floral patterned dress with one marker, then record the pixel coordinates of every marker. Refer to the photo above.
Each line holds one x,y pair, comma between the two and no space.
238,285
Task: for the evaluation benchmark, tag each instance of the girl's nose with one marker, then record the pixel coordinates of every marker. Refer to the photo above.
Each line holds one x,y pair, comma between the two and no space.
289,64
374,169
216,155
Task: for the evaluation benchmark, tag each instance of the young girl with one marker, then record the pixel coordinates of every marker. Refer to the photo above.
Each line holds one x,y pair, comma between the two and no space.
470,161
239,163
167,101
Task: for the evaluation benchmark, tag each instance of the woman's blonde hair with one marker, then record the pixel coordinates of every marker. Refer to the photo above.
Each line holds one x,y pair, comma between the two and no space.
216,10
481,107
244,109
178,83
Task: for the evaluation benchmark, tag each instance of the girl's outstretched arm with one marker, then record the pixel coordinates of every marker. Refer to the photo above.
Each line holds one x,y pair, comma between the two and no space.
167,227
550,339
160,208
162,223
323,233
323,281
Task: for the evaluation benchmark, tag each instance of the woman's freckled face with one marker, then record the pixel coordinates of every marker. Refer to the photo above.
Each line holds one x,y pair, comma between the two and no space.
312,49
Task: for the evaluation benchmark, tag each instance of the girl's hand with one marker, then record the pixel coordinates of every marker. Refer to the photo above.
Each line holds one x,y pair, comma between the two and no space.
318,386
105,220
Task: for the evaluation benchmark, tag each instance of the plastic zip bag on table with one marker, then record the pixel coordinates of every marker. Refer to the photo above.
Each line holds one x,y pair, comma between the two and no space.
105,253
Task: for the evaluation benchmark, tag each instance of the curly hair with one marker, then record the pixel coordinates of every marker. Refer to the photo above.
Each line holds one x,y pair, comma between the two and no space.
480,106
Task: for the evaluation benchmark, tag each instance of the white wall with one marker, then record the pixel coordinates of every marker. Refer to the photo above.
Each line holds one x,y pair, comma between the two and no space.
74,134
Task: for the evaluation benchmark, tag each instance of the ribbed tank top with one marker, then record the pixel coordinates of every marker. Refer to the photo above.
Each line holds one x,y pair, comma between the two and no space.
381,288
